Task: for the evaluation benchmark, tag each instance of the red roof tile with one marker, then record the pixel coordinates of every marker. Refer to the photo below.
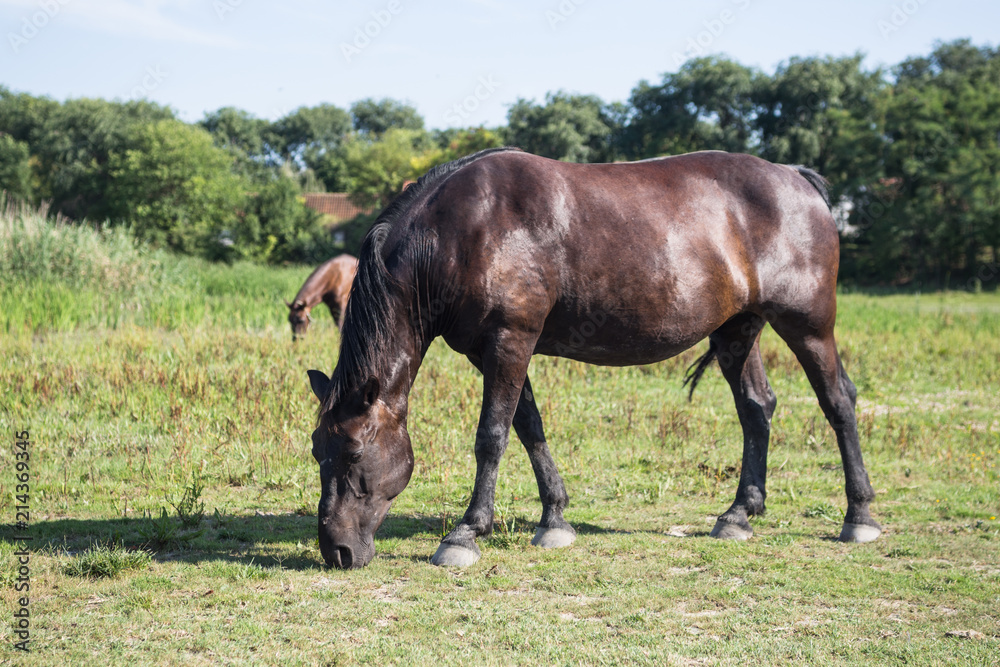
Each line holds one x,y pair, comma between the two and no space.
337,205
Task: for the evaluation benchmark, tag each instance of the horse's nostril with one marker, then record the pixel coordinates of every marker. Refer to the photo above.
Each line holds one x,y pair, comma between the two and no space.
346,557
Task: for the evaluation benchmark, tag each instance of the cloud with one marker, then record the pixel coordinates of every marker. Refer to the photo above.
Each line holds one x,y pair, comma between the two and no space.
183,21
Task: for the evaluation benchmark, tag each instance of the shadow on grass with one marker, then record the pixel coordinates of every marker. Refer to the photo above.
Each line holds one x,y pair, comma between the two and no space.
286,540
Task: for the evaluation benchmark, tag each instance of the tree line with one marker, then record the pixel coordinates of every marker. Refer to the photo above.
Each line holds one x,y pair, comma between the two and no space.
912,153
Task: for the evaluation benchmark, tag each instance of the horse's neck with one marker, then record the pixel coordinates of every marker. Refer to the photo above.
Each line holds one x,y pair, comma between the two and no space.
403,358
315,287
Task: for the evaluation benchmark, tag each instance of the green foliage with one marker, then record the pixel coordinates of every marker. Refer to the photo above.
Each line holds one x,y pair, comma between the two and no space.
246,138
278,227
707,105
454,144
376,117
176,188
911,155
160,532
826,113
309,135
106,561
73,145
375,170
572,128
15,171
936,215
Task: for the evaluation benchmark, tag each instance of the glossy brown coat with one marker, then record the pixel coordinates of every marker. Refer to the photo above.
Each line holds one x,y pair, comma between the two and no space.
329,283
506,255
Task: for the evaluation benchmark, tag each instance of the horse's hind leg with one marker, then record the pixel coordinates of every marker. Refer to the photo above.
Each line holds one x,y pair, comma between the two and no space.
553,531
738,353
816,350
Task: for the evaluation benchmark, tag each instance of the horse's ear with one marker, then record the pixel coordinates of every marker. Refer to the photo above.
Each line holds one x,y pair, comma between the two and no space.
320,383
286,303
370,392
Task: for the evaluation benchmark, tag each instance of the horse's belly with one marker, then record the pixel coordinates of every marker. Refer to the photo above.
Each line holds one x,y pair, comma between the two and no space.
623,339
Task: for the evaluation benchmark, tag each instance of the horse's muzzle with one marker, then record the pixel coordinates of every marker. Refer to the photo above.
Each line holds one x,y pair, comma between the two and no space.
340,557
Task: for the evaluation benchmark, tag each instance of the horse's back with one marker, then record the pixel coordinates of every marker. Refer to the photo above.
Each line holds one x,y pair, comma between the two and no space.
648,257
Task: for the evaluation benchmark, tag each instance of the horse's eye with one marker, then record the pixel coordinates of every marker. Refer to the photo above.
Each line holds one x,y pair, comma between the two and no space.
354,457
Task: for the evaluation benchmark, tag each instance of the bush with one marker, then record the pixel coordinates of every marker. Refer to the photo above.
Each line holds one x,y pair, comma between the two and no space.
176,188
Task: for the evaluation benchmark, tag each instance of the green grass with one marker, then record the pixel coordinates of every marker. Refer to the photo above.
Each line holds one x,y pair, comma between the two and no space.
105,561
196,383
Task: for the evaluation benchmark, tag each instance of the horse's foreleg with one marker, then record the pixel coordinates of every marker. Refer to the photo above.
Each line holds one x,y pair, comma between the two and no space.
553,531
341,313
505,366
738,353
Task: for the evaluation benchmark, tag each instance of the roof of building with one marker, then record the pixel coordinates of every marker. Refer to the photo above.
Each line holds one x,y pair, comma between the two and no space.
337,205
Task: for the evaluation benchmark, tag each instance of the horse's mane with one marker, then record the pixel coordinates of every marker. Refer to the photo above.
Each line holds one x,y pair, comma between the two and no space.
368,324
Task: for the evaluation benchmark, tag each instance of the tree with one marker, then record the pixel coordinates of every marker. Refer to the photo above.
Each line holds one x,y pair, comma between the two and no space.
177,189
828,114
308,133
940,199
454,144
278,227
15,170
376,117
21,114
375,170
72,145
245,137
708,104
572,128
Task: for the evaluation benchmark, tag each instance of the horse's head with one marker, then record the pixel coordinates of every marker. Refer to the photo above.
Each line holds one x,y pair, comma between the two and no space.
299,318
365,461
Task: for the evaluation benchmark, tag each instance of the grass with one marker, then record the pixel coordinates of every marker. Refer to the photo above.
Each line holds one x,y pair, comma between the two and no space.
181,429
105,561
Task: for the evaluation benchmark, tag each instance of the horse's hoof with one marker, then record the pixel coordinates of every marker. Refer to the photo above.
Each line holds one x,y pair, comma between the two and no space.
453,555
724,530
553,538
859,532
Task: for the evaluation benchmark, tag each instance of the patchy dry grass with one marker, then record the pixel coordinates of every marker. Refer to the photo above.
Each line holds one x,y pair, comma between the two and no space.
125,418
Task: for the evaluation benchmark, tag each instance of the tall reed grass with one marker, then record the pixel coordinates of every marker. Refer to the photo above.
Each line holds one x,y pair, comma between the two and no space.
58,275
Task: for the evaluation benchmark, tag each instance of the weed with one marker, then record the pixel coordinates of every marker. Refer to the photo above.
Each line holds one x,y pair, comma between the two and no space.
824,511
189,510
158,532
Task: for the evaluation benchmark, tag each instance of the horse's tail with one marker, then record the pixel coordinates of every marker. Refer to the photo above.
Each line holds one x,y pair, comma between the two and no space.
815,180
695,370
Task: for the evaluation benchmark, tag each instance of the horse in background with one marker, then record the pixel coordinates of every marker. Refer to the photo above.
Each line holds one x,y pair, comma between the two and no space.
331,284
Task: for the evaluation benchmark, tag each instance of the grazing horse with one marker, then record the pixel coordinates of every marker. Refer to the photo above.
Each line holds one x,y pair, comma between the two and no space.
331,284
505,255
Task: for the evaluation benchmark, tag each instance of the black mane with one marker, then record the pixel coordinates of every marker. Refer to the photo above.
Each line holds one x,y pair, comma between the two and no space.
368,324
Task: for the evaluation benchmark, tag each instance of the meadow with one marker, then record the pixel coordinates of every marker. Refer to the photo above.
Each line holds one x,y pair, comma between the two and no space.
173,494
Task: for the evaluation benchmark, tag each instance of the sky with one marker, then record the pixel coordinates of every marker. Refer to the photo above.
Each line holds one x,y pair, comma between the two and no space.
460,62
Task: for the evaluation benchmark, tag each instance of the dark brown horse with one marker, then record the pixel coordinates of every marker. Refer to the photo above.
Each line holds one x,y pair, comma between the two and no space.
507,255
331,284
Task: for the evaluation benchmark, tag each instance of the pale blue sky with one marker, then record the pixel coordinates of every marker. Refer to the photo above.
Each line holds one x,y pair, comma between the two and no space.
199,55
